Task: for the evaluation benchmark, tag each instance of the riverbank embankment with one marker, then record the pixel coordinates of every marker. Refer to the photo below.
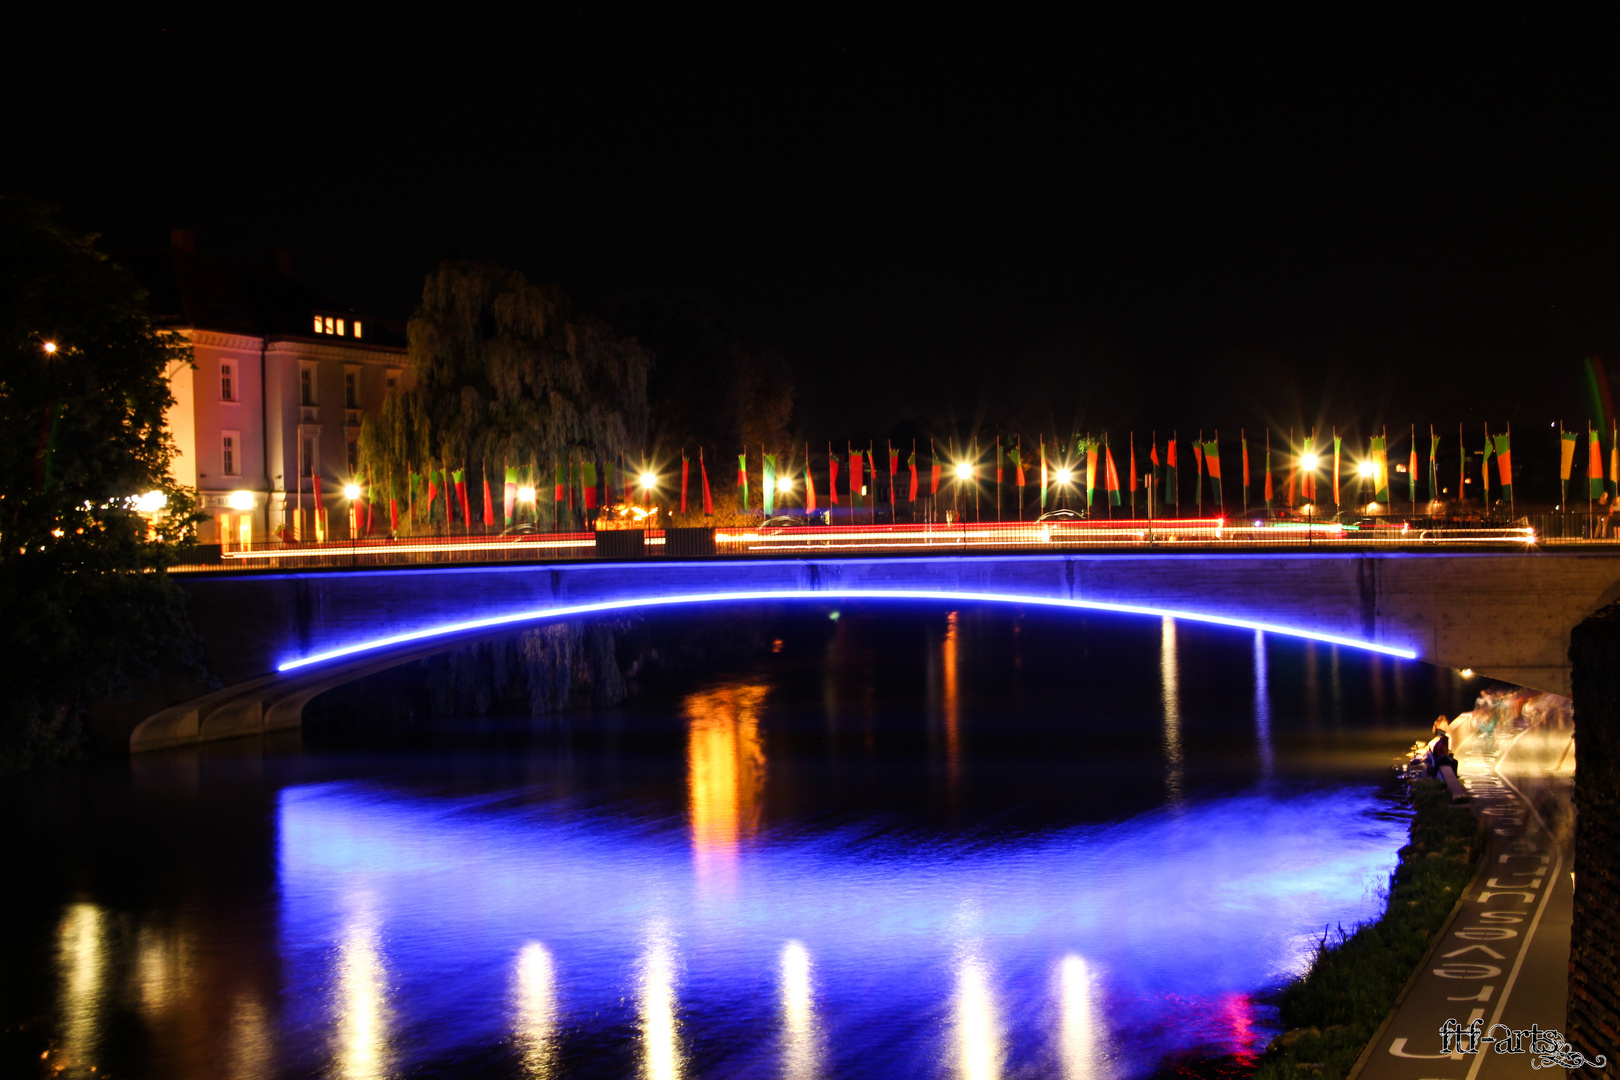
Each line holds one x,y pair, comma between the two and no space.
1356,986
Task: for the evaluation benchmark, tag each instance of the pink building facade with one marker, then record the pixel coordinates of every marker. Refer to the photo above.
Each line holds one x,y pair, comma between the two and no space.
279,383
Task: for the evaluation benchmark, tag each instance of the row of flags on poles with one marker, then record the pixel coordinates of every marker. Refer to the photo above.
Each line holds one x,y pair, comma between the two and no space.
1313,473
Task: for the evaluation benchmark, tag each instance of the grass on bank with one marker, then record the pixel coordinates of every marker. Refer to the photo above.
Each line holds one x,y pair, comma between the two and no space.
1330,1013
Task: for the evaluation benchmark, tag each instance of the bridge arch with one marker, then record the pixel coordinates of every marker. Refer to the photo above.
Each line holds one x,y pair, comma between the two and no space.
277,639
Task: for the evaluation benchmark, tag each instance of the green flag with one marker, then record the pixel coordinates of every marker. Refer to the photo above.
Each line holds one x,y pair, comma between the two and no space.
1434,465
768,495
742,481
1212,461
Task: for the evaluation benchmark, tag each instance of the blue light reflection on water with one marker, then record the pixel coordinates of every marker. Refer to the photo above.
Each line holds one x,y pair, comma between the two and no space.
412,925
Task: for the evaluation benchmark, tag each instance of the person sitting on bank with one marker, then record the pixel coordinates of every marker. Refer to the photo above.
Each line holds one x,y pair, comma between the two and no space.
1439,749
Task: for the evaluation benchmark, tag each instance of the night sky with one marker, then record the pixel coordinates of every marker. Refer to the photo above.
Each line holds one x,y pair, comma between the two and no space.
1198,219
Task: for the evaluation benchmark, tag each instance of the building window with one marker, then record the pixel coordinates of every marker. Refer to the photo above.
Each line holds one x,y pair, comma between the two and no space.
306,386
227,385
308,465
357,328
354,456
393,379
340,328
329,327
351,389
320,325
228,460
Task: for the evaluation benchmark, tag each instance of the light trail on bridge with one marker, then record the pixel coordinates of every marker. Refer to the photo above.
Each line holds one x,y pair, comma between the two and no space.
517,618
1113,535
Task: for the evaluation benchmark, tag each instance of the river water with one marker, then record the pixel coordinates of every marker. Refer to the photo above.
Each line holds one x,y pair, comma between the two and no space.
903,843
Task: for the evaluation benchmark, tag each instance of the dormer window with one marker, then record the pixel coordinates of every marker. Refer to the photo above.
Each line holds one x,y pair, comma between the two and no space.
334,325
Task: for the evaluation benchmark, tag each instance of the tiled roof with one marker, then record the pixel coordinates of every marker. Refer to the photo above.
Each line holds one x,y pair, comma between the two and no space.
238,298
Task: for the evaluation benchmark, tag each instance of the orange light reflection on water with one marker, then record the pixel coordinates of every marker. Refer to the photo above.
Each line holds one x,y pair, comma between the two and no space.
725,773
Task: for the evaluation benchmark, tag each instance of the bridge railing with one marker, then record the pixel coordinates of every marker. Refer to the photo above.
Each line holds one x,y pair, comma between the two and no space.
958,538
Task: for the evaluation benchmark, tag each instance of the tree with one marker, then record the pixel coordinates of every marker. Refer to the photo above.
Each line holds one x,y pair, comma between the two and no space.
83,392
504,372
711,390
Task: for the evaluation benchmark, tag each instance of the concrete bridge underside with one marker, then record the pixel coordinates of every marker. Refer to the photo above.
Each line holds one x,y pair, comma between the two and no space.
1504,614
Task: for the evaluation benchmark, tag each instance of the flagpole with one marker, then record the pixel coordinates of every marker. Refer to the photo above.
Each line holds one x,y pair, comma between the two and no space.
1513,513
1020,486
998,477
1133,474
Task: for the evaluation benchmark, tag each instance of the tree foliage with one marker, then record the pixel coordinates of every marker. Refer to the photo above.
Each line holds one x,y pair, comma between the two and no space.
87,605
505,373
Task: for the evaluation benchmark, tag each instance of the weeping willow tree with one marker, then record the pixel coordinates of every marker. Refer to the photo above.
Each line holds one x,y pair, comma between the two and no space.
504,375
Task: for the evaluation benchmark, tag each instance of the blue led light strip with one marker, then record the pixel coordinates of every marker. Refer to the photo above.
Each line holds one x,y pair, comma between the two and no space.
428,633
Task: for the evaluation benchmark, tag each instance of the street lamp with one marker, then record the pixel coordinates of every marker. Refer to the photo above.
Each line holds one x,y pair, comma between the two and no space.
784,484
50,348
351,491
964,470
241,500
1365,468
525,494
1308,462
648,481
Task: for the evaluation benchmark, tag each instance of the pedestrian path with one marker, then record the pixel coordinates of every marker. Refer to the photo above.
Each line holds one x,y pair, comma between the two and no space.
1501,964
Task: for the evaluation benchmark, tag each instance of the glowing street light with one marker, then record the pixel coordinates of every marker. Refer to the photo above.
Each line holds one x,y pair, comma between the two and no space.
242,500
1365,468
50,348
1065,476
1308,462
784,484
351,491
964,470
648,481
151,502
525,494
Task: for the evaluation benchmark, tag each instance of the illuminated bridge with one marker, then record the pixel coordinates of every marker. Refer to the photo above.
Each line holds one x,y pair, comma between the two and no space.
277,635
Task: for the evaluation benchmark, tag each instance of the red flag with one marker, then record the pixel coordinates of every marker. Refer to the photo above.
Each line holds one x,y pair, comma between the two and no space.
912,462
703,471
489,502
686,468
1133,463
433,493
1169,454
393,511
1018,472
587,484
832,475
856,482
894,466
1198,456
1110,474
933,469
